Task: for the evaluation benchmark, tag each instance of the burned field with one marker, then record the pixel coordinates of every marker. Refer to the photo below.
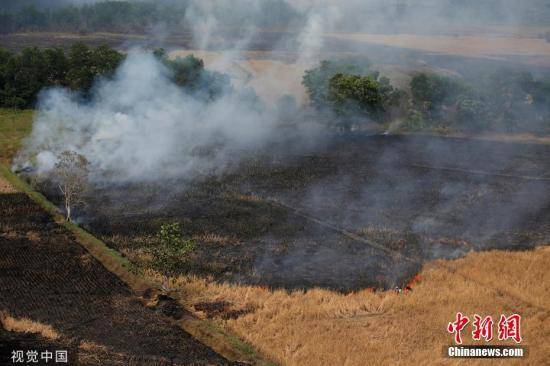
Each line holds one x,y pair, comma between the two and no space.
355,212
55,295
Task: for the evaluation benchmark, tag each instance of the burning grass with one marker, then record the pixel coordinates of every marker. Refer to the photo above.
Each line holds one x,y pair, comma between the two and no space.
300,328
360,213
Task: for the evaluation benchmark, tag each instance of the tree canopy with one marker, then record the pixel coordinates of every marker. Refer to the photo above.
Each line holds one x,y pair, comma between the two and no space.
352,91
504,100
24,75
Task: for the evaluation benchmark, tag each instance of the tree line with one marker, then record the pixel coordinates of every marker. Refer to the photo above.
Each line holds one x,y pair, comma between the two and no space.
23,75
108,16
129,16
348,92
504,101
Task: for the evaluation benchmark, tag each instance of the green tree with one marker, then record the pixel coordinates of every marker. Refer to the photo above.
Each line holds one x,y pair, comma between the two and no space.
80,75
351,94
171,247
86,64
316,81
56,65
25,75
189,73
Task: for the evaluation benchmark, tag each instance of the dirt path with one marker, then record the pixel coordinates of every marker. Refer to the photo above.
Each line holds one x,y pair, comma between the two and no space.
48,279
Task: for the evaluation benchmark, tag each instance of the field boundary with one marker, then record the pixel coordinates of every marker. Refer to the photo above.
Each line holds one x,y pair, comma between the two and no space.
220,340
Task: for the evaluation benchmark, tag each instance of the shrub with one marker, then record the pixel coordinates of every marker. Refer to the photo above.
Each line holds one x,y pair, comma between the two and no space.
172,248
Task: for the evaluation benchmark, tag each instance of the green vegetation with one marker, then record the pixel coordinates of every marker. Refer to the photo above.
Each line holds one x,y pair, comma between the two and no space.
128,16
24,75
317,81
15,125
504,101
189,73
171,249
438,99
351,90
369,95
111,16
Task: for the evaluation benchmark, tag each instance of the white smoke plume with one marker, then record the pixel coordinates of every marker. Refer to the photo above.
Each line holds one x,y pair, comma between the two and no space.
140,125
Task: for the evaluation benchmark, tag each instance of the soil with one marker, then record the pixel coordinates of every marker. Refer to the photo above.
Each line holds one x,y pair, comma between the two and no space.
48,278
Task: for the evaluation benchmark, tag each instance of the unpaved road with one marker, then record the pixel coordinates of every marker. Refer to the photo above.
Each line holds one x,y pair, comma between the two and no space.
45,276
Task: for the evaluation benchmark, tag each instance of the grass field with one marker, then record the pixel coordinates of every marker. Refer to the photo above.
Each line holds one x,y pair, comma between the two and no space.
321,327
14,126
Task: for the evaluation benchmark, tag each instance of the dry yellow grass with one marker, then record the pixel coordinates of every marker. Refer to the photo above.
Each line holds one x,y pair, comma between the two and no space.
321,327
470,45
25,325
5,187
214,238
267,73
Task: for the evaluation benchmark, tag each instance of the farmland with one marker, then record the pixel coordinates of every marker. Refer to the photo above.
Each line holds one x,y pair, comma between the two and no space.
239,277
52,281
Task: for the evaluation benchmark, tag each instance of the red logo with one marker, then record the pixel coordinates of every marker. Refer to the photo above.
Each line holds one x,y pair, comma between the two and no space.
457,326
508,327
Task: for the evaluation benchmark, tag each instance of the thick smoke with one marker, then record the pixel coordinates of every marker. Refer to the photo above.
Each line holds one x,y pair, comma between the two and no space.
140,125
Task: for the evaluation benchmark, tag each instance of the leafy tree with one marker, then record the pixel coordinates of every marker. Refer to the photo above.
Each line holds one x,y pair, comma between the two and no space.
129,16
351,90
431,93
353,93
24,75
86,64
445,101
189,73
171,248
316,81
56,66
472,114
80,75
363,96
31,19
24,78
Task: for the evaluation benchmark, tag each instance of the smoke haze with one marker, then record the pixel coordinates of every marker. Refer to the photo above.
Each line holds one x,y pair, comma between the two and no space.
140,120
141,126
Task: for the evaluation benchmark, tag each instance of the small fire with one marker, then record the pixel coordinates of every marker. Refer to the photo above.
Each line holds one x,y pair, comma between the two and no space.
416,279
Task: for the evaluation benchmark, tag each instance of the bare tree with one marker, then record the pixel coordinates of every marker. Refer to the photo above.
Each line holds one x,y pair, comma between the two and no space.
72,172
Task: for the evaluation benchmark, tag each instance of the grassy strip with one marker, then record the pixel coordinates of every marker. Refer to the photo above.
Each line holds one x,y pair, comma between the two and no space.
224,342
228,345
15,125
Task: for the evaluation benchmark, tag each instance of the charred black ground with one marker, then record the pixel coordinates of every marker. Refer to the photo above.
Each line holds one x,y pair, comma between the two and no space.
48,278
357,211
